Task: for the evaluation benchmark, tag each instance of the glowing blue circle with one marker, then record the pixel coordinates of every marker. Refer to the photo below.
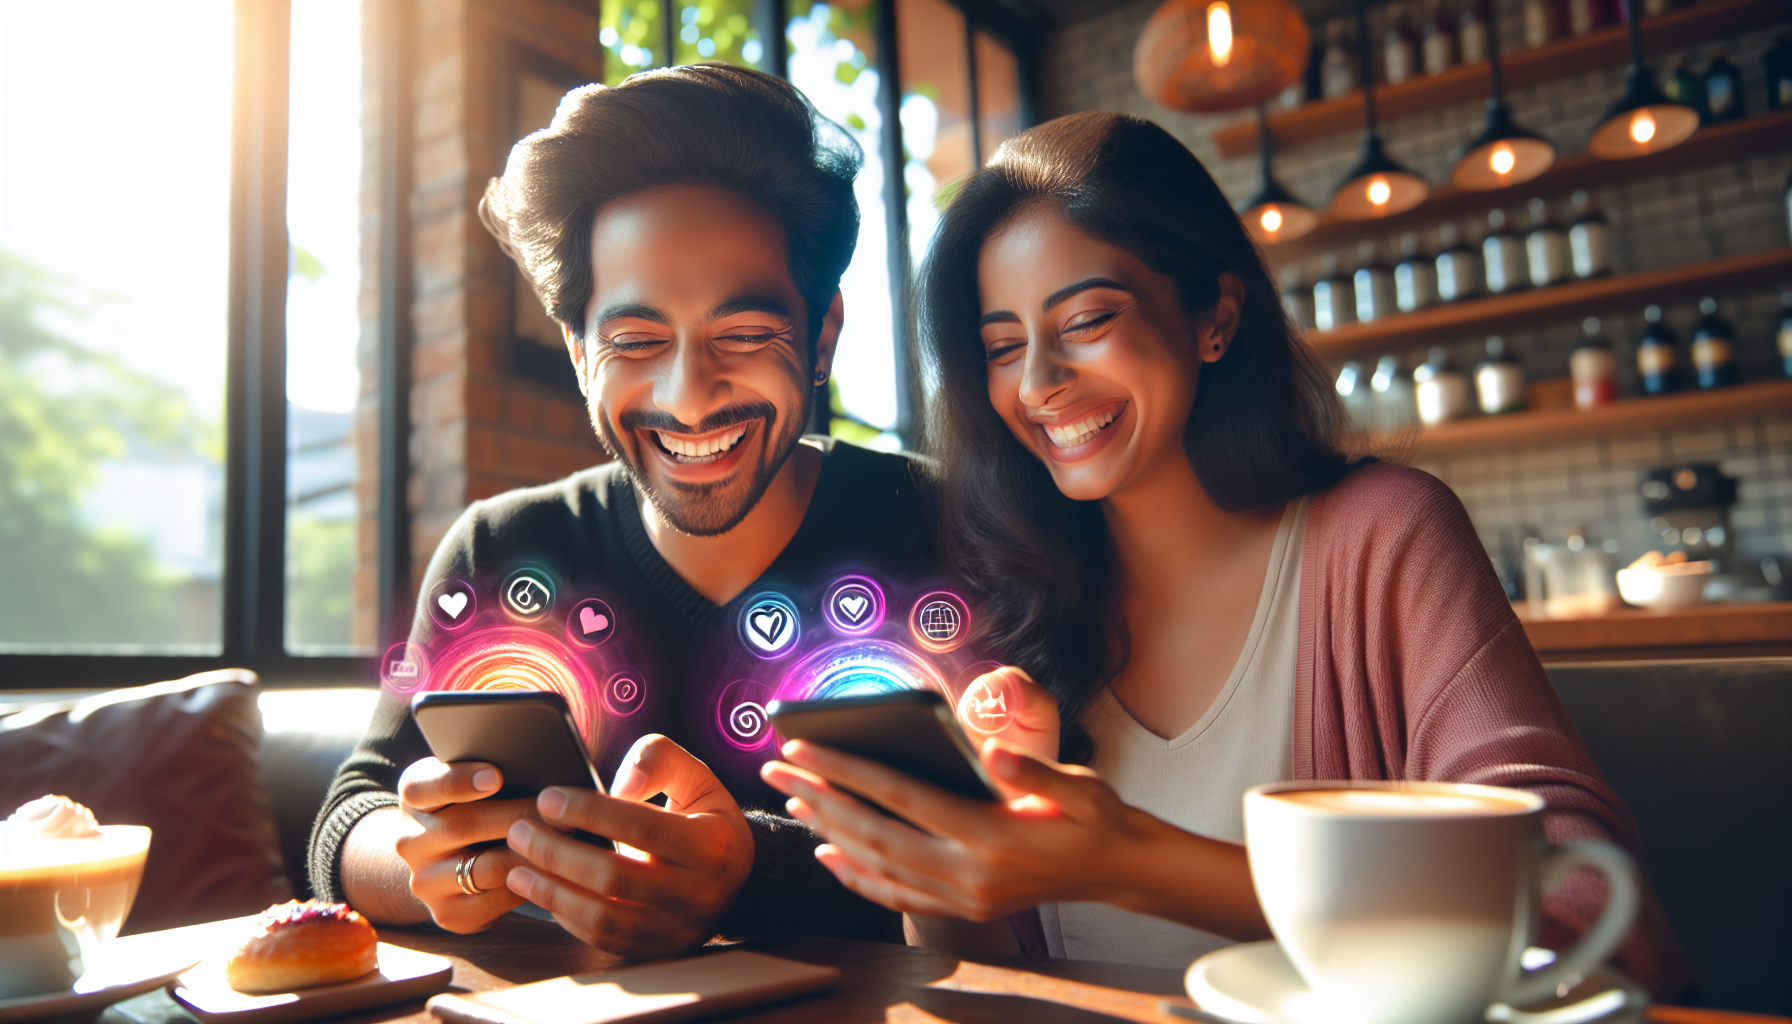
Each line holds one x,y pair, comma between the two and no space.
858,669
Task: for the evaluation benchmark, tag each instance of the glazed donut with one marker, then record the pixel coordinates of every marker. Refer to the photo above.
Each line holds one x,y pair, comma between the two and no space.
301,945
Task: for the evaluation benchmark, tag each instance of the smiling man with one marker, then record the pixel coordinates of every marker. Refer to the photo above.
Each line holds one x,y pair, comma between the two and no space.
688,230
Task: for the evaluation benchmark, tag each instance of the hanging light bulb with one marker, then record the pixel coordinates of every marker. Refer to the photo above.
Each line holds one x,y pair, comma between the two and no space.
1274,214
1643,120
1203,55
1219,33
1376,186
1503,154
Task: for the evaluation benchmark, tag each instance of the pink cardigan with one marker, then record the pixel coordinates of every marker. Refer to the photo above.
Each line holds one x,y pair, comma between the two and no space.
1412,666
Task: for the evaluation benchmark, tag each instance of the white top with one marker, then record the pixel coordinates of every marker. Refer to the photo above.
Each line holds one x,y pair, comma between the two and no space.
1197,780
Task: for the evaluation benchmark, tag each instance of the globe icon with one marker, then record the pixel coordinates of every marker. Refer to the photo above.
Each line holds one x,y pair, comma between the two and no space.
940,622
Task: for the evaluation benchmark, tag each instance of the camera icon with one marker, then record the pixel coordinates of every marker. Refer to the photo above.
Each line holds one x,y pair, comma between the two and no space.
527,594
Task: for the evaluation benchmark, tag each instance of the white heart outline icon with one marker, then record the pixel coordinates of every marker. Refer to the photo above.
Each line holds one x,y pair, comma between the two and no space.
454,603
854,606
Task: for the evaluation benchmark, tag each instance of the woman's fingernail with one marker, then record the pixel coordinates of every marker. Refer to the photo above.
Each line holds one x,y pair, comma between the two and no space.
520,881
552,802
520,835
485,780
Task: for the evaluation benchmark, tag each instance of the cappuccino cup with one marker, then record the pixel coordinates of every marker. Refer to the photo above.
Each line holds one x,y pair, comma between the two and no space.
1412,902
60,901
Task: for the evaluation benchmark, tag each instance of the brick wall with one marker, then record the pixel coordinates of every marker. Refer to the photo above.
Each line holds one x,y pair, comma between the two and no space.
1663,220
475,431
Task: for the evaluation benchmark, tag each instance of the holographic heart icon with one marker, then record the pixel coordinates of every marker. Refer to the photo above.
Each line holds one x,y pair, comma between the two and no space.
853,607
592,621
453,604
769,624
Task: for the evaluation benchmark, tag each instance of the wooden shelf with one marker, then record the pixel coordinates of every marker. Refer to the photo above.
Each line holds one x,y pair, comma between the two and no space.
1607,47
1636,628
1683,409
1480,317
1713,144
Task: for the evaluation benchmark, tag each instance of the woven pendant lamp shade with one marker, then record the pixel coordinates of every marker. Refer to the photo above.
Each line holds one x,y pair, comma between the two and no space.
1208,55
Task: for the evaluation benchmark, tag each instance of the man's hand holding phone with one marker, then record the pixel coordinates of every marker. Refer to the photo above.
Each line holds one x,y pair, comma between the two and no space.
668,891
449,816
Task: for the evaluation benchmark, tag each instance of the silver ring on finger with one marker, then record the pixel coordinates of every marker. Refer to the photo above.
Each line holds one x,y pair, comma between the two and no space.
463,873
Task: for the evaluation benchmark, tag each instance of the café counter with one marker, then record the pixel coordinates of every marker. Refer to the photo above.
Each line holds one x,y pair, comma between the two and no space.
1631,634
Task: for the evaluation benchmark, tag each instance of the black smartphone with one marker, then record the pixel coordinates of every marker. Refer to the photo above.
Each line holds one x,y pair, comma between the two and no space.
912,731
528,734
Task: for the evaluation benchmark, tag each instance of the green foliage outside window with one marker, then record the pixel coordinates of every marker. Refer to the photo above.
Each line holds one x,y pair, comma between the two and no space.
65,411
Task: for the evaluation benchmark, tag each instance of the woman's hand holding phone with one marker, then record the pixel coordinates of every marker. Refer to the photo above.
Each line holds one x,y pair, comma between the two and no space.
447,810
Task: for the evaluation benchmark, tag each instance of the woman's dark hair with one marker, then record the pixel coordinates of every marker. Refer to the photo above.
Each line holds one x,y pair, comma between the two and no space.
1261,432
704,124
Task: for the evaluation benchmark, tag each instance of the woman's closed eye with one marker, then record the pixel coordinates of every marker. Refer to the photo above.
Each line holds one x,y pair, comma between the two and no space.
1088,323
1003,351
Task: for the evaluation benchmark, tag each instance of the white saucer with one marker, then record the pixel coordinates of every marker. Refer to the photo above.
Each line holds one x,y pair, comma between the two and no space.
1253,983
98,988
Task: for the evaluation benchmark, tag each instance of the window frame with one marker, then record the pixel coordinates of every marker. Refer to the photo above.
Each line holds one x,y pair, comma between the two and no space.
253,581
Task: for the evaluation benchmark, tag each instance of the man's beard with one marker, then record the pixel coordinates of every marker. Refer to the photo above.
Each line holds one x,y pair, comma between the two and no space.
705,510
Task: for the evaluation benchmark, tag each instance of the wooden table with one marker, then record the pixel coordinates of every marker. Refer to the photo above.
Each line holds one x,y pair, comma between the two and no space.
1629,634
881,983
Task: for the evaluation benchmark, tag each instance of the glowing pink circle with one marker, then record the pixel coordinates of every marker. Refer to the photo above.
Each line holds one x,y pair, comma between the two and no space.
512,658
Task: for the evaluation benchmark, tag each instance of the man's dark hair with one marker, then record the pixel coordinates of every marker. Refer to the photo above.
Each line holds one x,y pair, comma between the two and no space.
703,124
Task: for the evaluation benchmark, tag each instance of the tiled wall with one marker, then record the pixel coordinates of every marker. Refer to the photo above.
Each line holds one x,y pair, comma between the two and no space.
1658,221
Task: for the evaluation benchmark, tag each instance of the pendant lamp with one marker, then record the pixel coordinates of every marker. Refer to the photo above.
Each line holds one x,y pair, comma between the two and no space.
1376,186
1208,55
1643,120
1503,154
1275,215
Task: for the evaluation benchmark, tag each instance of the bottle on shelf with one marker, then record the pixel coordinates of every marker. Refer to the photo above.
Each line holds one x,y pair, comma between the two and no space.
1437,43
1374,285
1545,247
1471,35
1589,239
1394,408
1440,391
1658,355
1713,348
1539,23
1777,64
1337,67
1685,88
1359,401
1503,252
1651,8
1334,297
1722,86
1784,335
1594,368
1459,273
1499,380
1415,276
1789,203
1582,16
1399,50
1296,299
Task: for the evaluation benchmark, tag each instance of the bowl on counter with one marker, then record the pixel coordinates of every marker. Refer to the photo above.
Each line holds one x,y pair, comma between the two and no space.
1662,591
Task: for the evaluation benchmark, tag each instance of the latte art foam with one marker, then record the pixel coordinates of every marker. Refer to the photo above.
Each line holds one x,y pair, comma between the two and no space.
1403,803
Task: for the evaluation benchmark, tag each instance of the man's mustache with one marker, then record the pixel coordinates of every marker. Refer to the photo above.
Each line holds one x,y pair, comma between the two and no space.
721,419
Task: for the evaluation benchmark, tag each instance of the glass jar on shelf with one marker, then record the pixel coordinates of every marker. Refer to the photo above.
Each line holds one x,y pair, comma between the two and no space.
1722,85
1503,253
1437,43
1589,238
1594,368
1394,405
1499,380
1334,296
1415,276
1440,390
1471,33
1374,285
1546,247
1459,272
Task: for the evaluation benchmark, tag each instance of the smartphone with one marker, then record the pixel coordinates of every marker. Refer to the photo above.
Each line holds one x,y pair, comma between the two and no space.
912,731
528,734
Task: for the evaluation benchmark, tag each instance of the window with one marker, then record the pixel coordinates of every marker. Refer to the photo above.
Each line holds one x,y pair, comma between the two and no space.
323,328
114,247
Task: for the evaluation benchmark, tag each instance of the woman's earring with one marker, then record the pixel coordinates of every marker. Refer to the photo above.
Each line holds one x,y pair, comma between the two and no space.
821,377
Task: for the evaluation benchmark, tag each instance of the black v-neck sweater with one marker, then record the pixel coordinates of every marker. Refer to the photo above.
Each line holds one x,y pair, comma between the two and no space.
868,514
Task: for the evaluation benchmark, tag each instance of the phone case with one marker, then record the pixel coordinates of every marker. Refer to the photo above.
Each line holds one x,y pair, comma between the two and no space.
676,990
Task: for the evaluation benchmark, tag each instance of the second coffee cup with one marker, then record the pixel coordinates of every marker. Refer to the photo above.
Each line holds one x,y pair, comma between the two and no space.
1410,903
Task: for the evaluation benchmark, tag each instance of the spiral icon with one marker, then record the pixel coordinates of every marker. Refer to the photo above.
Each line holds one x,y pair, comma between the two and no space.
741,717
623,693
